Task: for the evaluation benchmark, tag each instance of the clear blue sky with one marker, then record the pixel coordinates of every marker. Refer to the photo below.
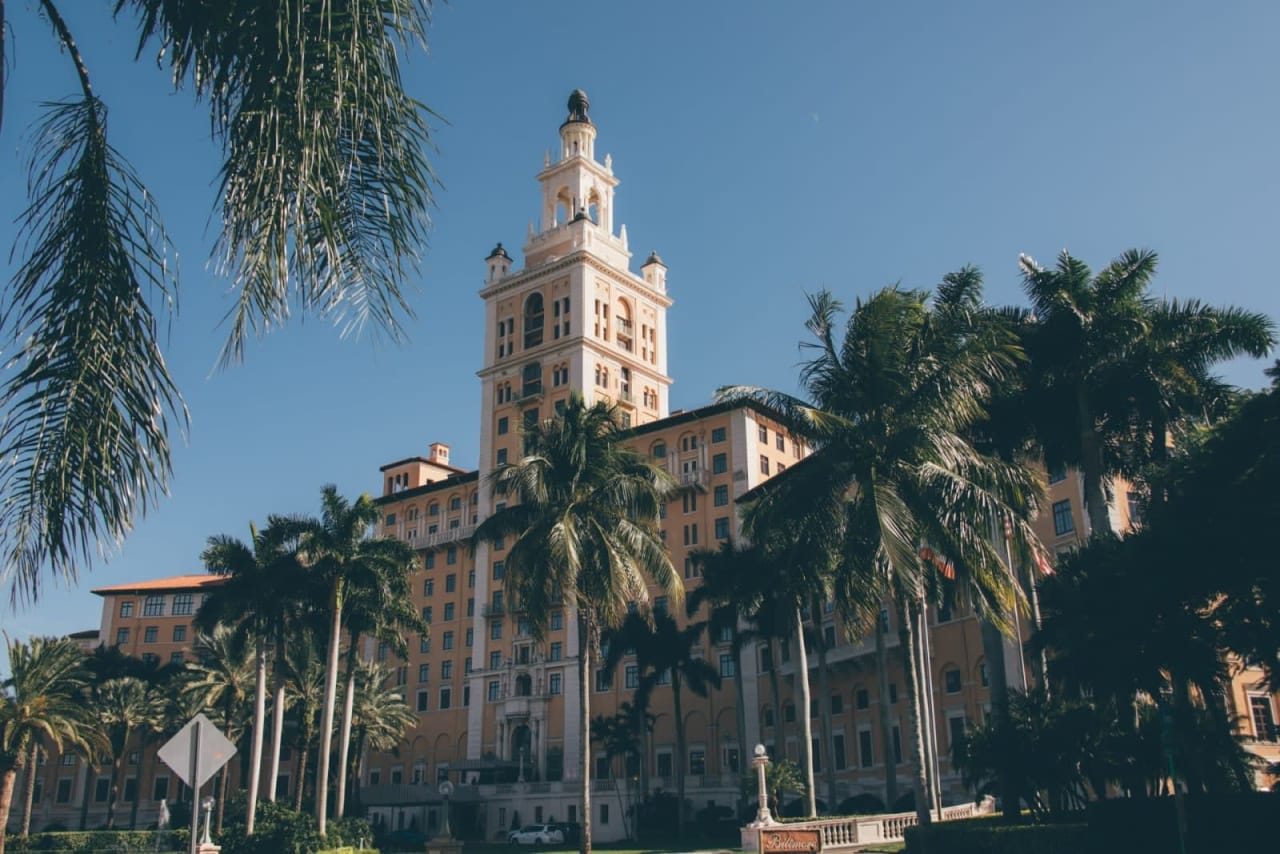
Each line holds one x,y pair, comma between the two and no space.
765,150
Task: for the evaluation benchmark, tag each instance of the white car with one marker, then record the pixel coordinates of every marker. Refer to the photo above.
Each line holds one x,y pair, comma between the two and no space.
536,834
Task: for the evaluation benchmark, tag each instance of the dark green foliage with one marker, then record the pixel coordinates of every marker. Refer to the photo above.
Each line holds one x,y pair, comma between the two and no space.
97,841
982,836
1240,822
277,830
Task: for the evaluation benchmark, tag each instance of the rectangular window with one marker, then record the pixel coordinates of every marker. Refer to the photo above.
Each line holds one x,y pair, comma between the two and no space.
126,609
837,704
426,613
557,620
766,659
502,456
722,528
719,463
471,638
554,684
764,464
122,637
895,735
451,580
604,813
861,699
631,676
951,679
179,634
780,442
101,790
446,669
764,434
495,630
955,727
504,424
183,605
690,502
160,789
391,519
727,670
175,657
1264,722
557,651
721,495
1062,523
424,672
449,611
447,641
471,607
837,751
150,634
499,570
429,562
697,761
62,794
494,688
866,758
664,764
717,435
604,680
451,558
153,606
446,698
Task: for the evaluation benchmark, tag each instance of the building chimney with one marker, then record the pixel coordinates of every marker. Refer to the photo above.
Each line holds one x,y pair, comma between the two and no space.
439,453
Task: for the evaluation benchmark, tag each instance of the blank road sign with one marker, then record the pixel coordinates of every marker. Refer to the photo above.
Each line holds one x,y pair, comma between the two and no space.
213,751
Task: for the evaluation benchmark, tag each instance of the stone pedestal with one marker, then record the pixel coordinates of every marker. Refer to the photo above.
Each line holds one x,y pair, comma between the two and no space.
444,846
208,848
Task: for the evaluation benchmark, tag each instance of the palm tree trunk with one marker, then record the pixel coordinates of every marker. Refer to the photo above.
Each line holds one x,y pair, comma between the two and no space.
29,788
929,719
7,780
806,725
775,688
259,724
302,775
1095,501
117,774
741,717
681,751
143,739
585,642
886,726
326,716
998,687
906,639
225,786
344,741
89,779
824,711
278,709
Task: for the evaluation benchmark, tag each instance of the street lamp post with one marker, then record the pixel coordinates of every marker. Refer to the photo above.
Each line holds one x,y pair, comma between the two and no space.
446,789
207,805
763,818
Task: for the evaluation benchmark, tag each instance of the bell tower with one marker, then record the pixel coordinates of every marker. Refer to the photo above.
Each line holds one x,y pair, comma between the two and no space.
574,318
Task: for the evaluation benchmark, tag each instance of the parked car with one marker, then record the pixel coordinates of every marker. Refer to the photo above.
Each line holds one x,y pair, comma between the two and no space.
536,834
571,829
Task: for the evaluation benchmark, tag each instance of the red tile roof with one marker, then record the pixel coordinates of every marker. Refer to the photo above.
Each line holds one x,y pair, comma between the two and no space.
176,582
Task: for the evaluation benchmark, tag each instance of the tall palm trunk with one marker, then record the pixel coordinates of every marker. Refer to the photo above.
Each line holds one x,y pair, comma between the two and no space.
585,642
259,724
344,741
117,776
278,708
775,688
998,686
824,711
302,775
326,716
144,739
740,715
886,725
29,788
806,724
919,781
1095,501
7,780
929,718
89,777
681,751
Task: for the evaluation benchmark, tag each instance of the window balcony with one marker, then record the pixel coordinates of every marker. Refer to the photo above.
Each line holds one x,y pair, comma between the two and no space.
449,535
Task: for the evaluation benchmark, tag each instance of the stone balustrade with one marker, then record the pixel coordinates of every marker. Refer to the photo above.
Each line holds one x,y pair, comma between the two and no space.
849,833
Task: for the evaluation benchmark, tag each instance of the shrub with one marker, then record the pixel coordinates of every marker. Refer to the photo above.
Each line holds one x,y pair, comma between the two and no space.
1240,822
94,841
277,830
987,837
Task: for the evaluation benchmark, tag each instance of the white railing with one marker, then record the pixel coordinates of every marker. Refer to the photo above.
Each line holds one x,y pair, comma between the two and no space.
857,831
448,535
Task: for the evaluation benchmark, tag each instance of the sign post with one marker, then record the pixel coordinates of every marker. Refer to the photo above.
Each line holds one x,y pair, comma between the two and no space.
195,754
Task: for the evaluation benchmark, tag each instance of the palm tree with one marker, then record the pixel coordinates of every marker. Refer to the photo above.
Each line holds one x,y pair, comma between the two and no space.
1112,370
305,692
669,654
40,703
888,410
221,682
323,199
123,707
585,531
259,598
379,715
385,610
345,562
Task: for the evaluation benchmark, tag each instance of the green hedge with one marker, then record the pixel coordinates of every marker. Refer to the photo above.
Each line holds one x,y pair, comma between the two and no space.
349,851
96,841
986,837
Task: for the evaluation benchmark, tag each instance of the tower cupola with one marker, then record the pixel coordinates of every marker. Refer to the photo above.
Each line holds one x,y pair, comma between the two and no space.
499,263
578,134
654,272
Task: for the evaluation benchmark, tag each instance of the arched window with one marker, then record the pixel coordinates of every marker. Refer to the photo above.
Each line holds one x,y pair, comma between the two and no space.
533,320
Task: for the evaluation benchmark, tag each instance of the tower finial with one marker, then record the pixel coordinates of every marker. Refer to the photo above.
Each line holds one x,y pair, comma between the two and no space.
578,107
